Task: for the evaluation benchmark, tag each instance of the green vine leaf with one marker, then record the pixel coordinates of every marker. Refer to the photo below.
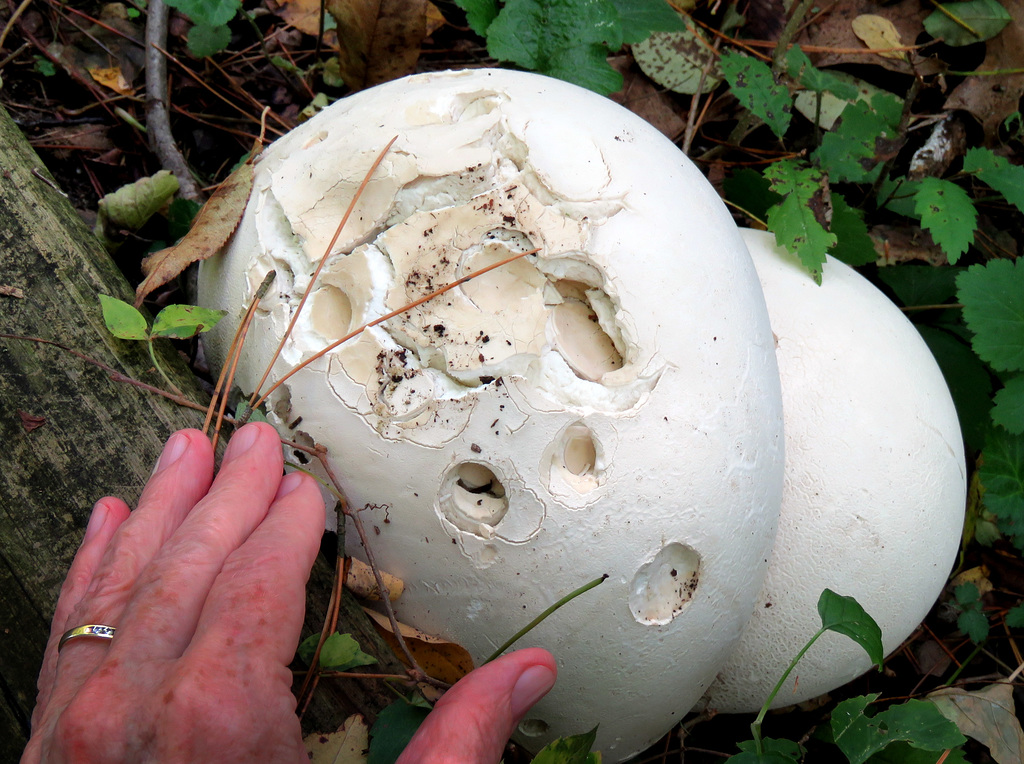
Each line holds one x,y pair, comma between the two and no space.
183,321
797,221
997,172
916,722
979,20
393,730
948,214
207,12
340,652
972,620
753,83
574,749
844,615
993,300
122,320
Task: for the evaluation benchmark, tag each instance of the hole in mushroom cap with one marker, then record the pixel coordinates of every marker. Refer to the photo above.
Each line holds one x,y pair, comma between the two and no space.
577,334
330,312
661,589
580,452
473,498
533,727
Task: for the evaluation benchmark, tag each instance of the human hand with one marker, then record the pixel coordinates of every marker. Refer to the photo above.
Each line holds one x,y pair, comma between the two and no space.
206,587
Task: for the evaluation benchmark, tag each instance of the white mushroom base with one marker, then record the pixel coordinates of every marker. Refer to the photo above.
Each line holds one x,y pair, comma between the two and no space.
610,405
873,503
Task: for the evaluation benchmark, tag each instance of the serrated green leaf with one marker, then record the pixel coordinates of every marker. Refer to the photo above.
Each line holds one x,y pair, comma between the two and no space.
921,284
966,376
208,12
985,19
678,60
800,68
897,195
853,245
206,40
754,85
568,39
393,730
1002,474
183,321
122,320
1008,411
641,17
479,14
948,214
845,616
915,722
997,172
574,749
750,191
993,300
850,152
1015,617
988,716
793,220
974,624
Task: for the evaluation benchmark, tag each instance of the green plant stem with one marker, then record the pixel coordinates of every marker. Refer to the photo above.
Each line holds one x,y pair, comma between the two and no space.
529,627
974,653
159,368
987,73
788,33
755,726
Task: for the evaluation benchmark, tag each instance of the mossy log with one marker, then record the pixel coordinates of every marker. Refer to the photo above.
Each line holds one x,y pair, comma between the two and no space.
71,434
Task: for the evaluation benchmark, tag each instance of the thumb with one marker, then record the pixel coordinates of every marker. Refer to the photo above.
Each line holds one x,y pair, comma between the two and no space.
475,718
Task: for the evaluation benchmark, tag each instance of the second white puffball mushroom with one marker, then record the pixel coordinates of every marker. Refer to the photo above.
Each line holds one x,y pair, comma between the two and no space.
610,405
873,502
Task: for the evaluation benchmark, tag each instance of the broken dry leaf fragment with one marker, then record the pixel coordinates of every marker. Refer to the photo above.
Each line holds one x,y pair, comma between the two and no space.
878,33
214,223
362,583
112,78
440,658
346,745
31,422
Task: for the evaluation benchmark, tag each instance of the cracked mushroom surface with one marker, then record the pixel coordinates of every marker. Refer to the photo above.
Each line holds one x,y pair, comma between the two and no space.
875,486
609,405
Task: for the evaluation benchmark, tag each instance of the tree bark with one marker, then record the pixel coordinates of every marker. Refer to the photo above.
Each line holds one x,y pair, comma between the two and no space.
71,434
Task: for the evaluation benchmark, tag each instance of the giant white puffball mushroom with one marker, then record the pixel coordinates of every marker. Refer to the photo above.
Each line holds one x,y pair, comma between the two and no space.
610,405
875,482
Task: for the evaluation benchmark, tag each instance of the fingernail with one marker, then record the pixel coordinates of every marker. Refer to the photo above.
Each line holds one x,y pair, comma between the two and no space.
532,685
173,451
243,440
96,521
289,483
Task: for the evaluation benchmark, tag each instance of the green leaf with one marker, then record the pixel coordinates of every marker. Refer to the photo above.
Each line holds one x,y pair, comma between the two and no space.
207,12
993,300
844,615
568,39
753,83
641,17
678,61
794,221
128,208
985,17
897,195
752,757
1002,474
393,730
1015,617
122,320
180,215
916,722
751,191
776,751
948,214
340,652
997,172
853,245
800,68
1009,405
987,715
43,66
968,379
921,284
574,749
902,753
479,14
852,151
180,322
974,624
205,40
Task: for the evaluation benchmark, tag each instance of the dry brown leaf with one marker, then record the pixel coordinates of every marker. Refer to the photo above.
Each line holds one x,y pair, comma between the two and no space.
991,99
988,716
878,32
214,224
11,291
31,421
304,15
379,40
112,77
835,30
361,582
347,745
977,576
440,658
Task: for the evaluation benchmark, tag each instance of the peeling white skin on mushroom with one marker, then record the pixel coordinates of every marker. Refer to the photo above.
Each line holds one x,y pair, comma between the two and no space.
608,405
875,485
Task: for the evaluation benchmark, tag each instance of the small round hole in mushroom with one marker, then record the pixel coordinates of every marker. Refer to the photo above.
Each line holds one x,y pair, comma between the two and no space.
331,312
473,498
579,454
662,588
533,727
